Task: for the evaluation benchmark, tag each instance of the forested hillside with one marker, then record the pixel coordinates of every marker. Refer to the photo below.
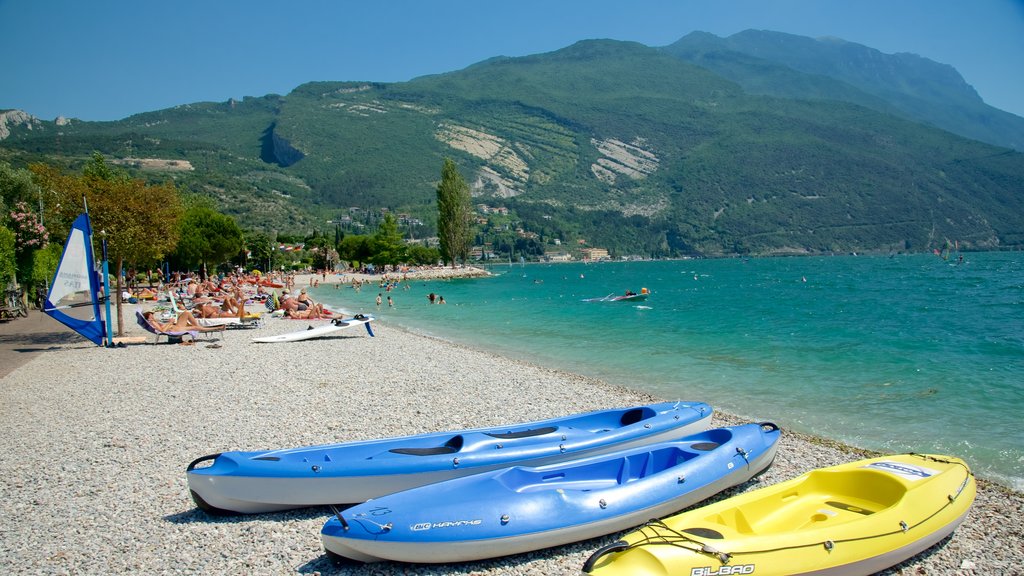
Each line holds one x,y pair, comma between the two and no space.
693,149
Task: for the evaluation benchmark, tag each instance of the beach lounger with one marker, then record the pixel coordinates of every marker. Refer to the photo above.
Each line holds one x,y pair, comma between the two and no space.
254,321
149,328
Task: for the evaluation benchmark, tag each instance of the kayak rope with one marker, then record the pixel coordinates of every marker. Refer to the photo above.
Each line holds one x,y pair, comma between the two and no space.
660,534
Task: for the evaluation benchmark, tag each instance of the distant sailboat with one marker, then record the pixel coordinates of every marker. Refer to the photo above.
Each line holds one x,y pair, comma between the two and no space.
75,286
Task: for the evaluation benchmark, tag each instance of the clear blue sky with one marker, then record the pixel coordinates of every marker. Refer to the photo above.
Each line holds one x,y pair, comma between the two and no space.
108,59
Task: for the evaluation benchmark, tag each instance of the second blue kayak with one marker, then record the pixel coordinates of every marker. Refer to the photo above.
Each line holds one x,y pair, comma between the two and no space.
520,509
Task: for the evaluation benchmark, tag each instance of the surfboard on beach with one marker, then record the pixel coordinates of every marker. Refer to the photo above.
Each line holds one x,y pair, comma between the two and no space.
320,331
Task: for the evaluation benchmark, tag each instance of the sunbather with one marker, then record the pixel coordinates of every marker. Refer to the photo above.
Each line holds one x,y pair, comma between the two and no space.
294,309
185,322
303,302
232,307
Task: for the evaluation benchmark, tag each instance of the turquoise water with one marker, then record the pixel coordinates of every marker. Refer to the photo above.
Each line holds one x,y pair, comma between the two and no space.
903,353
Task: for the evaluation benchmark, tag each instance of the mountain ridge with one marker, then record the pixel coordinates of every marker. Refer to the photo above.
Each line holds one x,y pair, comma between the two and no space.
905,84
696,149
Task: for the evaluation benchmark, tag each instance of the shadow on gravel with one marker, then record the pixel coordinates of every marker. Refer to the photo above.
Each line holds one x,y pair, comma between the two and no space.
328,563
196,515
36,342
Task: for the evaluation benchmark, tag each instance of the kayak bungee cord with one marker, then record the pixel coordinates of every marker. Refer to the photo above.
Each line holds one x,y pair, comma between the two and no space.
657,536
361,518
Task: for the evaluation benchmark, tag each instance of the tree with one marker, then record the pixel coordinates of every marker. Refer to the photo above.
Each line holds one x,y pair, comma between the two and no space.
19,197
138,221
262,251
320,251
454,214
16,185
387,244
7,265
207,236
354,249
421,255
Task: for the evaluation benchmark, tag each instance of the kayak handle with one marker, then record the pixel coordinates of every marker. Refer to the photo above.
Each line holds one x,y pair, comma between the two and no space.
617,546
192,465
769,426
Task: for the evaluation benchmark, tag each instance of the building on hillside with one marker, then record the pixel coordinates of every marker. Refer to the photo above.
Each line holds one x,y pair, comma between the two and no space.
557,256
594,253
485,252
485,209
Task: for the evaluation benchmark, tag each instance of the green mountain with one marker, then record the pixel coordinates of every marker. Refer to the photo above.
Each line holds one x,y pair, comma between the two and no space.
650,151
907,85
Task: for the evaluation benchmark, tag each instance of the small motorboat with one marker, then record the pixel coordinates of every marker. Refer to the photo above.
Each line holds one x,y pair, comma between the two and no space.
629,296
519,509
854,519
353,472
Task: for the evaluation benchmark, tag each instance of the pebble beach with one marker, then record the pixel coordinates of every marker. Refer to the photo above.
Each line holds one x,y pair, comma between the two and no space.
96,442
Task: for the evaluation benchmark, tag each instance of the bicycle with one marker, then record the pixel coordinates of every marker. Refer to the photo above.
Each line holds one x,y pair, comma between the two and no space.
13,306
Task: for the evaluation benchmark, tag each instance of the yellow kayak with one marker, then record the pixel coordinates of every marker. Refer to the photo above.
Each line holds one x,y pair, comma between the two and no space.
856,518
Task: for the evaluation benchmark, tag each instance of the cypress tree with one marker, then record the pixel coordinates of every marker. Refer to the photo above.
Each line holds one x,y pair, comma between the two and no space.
454,214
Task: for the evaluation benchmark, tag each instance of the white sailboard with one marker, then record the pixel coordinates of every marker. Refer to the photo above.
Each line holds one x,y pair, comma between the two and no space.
311,332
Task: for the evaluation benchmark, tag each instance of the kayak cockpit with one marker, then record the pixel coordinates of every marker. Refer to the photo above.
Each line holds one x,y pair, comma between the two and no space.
596,475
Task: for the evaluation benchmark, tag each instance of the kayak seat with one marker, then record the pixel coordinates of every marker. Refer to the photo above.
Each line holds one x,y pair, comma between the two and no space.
454,444
645,464
636,415
705,446
522,433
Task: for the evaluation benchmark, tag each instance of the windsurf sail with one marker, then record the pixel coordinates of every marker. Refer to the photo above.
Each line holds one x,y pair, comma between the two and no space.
73,298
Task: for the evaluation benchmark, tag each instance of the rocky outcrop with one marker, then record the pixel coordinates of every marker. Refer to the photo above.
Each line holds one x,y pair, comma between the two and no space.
621,159
155,164
497,152
12,118
485,146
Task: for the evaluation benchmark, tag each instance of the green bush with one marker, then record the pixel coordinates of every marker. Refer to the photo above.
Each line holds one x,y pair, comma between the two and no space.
44,266
7,262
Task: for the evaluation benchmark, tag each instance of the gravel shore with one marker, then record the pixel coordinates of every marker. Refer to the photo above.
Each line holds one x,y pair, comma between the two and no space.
96,441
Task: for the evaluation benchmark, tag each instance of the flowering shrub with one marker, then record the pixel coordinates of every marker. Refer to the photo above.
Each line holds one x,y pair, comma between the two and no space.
29,234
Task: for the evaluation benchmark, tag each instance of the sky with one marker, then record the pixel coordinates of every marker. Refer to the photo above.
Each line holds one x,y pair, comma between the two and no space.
109,59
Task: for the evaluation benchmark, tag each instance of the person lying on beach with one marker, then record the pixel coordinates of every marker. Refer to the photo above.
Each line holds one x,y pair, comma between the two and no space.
232,307
295,309
308,313
185,322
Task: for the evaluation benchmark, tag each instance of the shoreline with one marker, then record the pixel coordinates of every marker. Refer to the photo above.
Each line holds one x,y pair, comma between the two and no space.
98,440
421,274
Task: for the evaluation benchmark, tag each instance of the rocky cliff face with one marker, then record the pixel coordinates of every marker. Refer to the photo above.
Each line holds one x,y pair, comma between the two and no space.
284,153
12,118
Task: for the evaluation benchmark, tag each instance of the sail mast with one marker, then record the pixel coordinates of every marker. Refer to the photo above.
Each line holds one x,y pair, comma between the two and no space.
106,279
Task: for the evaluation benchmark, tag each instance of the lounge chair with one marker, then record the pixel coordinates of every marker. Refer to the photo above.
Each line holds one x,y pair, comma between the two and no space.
254,321
149,328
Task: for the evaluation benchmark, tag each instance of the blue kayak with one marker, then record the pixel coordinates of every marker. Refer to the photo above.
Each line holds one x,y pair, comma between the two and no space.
252,482
519,509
